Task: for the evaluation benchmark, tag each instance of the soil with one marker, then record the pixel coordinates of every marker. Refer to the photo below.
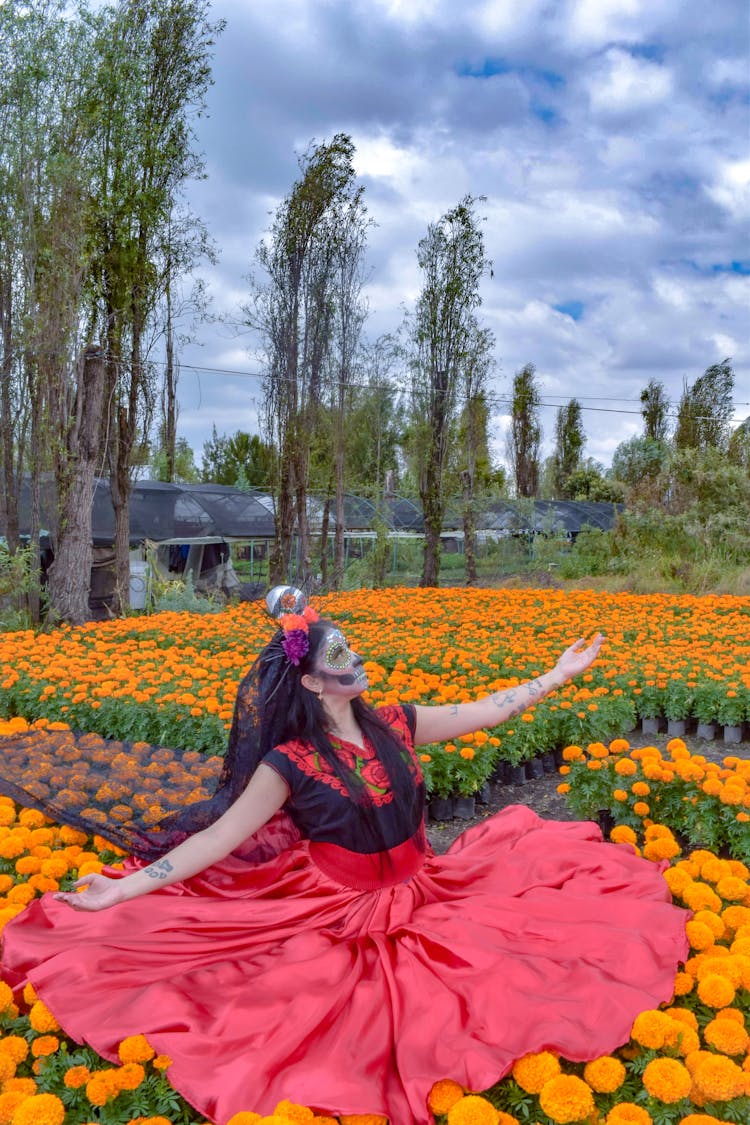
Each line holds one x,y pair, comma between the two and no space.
541,795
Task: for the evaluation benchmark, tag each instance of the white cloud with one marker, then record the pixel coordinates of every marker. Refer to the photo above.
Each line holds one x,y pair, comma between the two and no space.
623,84
731,189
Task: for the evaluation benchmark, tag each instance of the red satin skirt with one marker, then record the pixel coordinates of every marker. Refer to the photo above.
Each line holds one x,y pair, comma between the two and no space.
280,980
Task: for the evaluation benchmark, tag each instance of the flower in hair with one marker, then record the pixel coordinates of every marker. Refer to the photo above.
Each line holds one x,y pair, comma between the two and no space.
296,643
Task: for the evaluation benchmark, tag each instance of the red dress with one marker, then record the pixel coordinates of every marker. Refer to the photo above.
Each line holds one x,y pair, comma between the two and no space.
350,982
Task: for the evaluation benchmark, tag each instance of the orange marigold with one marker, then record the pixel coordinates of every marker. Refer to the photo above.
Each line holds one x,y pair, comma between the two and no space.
15,1046
41,1018
718,1078
532,1071
7,1068
667,1079
473,1110
136,1048
6,996
76,1077
101,1088
44,1045
9,1103
699,934
716,991
443,1095
41,1109
622,834
293,1111
245,1117
605,1074
726,1036
566,1098
653,1029
627,1113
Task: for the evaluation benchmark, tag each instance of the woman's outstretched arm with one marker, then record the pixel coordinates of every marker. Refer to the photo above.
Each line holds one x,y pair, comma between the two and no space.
450,720
265,794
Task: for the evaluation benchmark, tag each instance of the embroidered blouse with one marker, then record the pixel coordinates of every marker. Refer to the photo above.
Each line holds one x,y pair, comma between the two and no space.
319,804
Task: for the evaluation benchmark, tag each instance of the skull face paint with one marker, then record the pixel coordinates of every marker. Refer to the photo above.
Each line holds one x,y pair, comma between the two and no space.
339,664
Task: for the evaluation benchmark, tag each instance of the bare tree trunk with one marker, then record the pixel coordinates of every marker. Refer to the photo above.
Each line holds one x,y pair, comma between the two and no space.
10,437
119,484
170,386
470,533
70,573
432,508
324,525
338,533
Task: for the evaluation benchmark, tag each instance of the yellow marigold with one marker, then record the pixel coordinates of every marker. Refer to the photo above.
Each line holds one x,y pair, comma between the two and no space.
667,1079
627,1113
136,1048
41,1018
443,1095
41,1109
699,935
718,1078
605,1074
294,1112
9,1103
532,1071
726,1036
716,991
15,1046
566,1098
76,1077
472,1110
621,834
44,1045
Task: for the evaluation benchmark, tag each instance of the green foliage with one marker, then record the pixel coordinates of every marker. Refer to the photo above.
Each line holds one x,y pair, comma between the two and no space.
16,570
705,410
525,434
179,596
243,460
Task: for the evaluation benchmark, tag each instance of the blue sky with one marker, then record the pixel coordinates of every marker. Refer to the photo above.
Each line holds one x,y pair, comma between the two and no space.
610,137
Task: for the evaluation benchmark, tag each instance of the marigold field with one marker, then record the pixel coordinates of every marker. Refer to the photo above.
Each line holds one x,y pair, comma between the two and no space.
170,679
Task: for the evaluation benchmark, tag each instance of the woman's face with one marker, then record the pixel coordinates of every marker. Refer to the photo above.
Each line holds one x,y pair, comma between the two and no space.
341,668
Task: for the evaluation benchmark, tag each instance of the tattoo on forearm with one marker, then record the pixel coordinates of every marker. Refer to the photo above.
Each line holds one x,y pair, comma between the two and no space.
454,709
158,870
507,700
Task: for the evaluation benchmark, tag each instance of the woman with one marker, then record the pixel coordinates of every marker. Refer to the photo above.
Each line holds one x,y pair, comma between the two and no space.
350,968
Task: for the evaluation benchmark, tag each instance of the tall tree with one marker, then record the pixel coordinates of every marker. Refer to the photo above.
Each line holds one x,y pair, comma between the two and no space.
150,84
241,456
655,411
446,341
349,312
525,435
569,442
293,311
473,431
705,412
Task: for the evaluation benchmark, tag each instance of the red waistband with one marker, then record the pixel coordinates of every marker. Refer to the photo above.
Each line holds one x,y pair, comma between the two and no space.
368,872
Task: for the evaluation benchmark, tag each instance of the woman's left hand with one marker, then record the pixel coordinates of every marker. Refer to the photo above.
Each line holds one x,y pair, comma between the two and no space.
578,657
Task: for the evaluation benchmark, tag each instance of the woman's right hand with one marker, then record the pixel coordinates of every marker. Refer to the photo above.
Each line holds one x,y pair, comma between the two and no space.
99,894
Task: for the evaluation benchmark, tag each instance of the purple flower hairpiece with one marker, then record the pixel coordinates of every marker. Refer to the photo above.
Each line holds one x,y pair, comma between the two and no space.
295,644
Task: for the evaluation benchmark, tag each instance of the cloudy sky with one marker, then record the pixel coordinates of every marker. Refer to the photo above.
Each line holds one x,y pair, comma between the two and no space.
610,137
